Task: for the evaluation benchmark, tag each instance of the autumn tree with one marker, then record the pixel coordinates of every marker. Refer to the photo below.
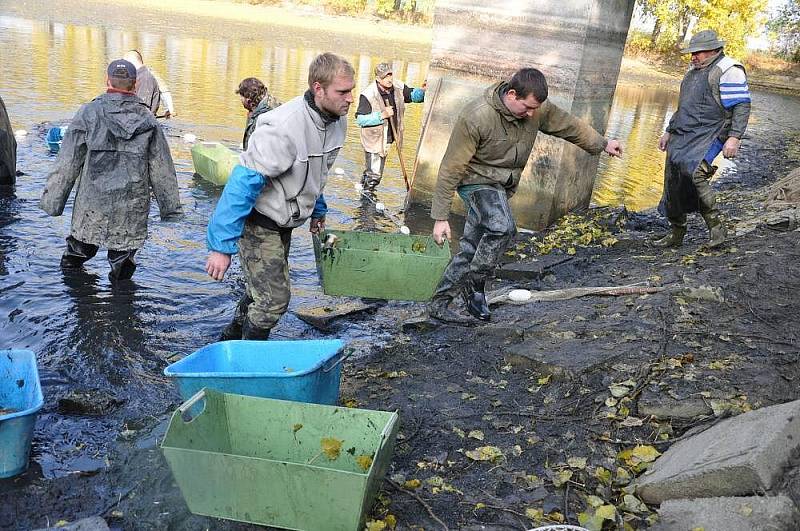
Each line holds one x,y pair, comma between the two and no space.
733,20
785,29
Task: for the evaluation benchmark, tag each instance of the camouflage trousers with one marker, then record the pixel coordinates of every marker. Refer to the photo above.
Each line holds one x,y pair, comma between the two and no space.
706,199
264,255
488,231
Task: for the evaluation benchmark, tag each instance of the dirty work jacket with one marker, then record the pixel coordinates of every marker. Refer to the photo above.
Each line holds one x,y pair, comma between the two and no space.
281,175
489,145
266,104
8,149
115,154
376,133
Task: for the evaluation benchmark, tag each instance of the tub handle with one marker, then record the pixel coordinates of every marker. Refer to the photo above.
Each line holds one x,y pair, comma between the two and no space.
184,408
338,361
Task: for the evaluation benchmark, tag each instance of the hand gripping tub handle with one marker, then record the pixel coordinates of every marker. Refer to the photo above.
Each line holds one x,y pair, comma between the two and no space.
338,361
183,409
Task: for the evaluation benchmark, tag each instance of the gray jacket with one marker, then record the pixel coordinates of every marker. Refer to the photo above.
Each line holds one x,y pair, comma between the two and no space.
8,149
114,153
294,149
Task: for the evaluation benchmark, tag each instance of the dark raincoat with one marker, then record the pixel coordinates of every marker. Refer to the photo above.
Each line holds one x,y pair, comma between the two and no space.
693,128
8,149
116,153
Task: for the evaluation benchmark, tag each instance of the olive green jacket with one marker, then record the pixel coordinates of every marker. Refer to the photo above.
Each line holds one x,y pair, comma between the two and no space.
489,145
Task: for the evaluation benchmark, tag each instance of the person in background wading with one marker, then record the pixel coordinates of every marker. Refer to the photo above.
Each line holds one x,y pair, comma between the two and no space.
277,186
115,155
380,112
150,88
257,100
712,115
489,146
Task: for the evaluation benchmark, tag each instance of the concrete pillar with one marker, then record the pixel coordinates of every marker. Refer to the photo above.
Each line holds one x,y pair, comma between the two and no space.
578,46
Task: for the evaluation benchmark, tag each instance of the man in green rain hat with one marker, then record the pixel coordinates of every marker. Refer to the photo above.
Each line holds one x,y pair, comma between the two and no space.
713,110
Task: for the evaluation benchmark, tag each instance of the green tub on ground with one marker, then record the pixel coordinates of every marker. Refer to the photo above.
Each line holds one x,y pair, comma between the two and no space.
291,465
213,161
380,265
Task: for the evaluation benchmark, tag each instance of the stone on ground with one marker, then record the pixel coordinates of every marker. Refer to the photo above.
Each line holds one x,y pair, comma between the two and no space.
776,513
739,456
563,357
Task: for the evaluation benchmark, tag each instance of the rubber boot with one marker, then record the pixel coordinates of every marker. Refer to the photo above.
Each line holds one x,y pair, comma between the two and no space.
77,253
122,264
716,230
475,299
234,329
673,239
439,308
251,331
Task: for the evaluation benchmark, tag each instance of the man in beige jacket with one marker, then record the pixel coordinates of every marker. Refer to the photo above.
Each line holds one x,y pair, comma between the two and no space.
488,149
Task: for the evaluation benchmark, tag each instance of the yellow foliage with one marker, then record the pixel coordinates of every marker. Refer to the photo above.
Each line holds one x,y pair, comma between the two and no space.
364,461
331,447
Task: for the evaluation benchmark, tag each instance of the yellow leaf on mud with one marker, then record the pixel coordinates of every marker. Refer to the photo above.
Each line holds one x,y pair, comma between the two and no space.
459,432
556,516
606,512
412,484
645,453
364,461
62,523
544,380
350,402
631,422
561,477
476,434
594,501
619,390
577,462
484,453
622,477
331,447
376,525
480,505
745,510
603,475
516,450
537,515
633,504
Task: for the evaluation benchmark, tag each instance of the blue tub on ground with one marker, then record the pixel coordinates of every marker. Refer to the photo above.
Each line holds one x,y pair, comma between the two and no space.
300,371
54,137
20,400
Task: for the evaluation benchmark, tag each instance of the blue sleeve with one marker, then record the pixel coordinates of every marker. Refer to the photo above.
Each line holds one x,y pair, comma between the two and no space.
369,120
320,208
417,95
237,200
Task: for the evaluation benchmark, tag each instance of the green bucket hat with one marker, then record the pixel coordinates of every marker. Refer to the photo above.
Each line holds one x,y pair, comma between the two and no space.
703,41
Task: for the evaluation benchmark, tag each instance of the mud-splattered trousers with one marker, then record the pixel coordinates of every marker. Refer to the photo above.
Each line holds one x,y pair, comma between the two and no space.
488,231
264,255
706,199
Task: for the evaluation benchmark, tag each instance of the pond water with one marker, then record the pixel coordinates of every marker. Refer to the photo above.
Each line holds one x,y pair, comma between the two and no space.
87,334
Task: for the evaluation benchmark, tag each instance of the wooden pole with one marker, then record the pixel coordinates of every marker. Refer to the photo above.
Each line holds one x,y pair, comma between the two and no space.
397,142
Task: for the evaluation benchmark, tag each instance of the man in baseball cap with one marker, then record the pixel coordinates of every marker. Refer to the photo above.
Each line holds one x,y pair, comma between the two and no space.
380,116
713,110
127,162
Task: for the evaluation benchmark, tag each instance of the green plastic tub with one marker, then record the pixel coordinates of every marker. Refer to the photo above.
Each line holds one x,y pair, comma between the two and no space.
380,265
263,461
213,161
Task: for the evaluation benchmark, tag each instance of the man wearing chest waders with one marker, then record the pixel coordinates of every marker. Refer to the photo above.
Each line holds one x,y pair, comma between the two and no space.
713,110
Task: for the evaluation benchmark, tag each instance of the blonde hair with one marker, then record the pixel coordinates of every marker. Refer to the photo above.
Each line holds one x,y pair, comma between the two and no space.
327,66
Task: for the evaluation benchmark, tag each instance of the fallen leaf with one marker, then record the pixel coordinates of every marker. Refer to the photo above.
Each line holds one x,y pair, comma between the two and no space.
603,475
537,515
633,504
296,428
412,484
577,462
476,434
745,510
484,453
618,391
364,461
331,447
561,477
544,380
376,525
351,403
631,422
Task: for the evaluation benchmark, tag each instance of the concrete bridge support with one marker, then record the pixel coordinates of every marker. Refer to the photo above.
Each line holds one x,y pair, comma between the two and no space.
578,46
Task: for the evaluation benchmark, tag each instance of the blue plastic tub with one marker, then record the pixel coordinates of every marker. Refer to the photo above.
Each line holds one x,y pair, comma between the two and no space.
54,137
301,371
20,400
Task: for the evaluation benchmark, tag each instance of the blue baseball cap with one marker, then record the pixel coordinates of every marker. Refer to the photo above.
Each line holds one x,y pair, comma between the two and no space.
121,69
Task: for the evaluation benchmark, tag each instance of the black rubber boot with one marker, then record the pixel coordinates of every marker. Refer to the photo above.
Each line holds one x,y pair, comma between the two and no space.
475,299
234,328
439,308
250,331
77,253
231,332
673,239
122,264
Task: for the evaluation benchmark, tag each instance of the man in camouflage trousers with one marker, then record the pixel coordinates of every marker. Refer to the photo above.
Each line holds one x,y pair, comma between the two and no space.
276,187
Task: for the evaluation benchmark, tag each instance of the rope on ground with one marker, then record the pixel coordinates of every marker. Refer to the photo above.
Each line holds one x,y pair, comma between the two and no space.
501,296
421,501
